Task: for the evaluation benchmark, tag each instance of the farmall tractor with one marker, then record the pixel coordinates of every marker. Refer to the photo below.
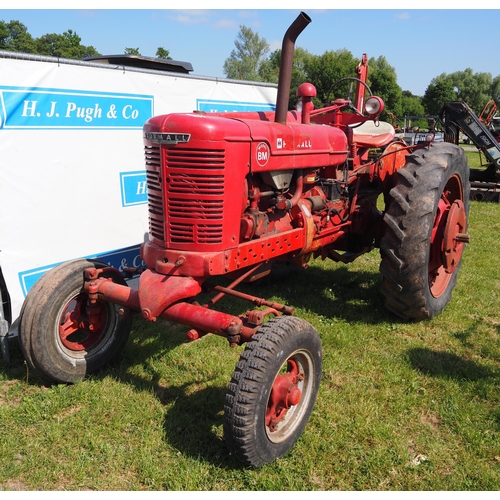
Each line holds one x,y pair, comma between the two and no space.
229,195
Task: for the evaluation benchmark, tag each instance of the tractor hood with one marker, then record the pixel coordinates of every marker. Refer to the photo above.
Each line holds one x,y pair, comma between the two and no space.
274,146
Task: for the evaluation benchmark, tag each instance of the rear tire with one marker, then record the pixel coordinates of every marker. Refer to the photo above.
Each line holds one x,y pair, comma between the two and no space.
272,391
51,342
424,234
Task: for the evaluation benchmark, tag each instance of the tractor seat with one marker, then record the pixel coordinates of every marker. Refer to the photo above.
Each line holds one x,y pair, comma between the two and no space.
373,135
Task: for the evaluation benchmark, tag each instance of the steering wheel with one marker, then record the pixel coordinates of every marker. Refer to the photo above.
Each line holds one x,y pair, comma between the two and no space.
352,79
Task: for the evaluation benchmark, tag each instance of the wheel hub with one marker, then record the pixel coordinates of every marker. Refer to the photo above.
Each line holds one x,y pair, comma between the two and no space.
284,394
79,329
454,236
448,238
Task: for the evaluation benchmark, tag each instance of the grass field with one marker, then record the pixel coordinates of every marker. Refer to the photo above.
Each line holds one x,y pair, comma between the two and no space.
402,406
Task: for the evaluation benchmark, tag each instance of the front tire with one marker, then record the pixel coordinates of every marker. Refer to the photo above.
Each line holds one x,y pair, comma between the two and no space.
54,332
425,231
272,391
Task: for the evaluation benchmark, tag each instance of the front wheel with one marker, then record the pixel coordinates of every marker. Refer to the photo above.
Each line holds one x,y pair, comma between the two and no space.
272,391
425,231
58,338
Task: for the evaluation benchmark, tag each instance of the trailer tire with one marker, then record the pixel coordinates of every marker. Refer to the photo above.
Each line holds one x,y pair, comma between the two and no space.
425,231
54,302
284,357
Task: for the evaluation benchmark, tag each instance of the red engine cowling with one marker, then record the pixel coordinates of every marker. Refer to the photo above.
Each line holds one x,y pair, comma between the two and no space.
209,176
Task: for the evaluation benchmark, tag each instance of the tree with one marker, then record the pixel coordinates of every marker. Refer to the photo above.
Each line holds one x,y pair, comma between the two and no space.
439,91
14,37
325,70
383,83
269,68
495,89
66,45
472,88
269,71
245,60
381,64
162,53
412,105
132,51
476,89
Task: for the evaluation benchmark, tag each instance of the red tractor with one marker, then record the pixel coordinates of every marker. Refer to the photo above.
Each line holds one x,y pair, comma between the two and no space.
232,193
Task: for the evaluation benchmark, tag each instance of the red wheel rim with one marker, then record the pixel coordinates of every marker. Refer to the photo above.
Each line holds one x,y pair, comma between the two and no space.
79,331
446,245
284,394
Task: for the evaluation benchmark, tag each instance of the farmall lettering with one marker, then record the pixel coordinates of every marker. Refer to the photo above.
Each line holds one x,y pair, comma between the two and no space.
304,143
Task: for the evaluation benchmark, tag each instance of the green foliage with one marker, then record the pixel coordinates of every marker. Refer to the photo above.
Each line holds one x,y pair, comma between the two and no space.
248,62
269,68
381,63
245,60
472,88
269,71
66,45
14,37
327,69
132,51
411,105
384,84
495,89
476,89
162,53
438,92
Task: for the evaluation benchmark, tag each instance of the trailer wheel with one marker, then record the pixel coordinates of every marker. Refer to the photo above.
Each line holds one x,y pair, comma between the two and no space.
425,231
54,332
272,391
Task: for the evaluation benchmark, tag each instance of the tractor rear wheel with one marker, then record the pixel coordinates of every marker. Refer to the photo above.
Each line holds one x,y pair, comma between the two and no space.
425,231
55,334
272,391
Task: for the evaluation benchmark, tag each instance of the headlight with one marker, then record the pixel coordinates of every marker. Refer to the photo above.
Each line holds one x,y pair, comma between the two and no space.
374,106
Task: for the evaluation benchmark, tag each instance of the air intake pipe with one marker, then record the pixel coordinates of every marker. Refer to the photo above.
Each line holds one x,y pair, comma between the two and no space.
286,65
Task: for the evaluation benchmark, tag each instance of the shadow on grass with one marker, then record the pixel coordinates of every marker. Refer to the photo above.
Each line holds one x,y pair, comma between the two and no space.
193,416
341,293
447,365
193,423
146,340
16,368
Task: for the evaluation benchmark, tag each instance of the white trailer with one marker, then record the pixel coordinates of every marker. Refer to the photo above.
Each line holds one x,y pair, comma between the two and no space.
72,178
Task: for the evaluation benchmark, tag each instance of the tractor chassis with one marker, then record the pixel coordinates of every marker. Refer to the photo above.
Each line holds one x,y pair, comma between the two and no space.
201,319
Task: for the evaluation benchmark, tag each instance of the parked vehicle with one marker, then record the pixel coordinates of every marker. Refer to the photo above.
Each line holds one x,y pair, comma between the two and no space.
229,194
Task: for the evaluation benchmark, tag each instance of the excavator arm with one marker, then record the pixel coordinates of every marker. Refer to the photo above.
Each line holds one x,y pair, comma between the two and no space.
457,115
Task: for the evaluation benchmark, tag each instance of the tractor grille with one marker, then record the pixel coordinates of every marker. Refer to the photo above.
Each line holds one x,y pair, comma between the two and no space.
155,194
194,193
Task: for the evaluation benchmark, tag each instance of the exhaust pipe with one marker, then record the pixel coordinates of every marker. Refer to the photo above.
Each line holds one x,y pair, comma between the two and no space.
286,65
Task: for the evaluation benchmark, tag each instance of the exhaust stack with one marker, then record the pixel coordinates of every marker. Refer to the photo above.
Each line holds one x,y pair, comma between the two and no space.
286,65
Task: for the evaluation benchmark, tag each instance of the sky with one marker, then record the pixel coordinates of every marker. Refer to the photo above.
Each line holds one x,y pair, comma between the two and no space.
419,43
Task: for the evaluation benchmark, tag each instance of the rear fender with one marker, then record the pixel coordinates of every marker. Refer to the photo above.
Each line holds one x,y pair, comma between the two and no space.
392,159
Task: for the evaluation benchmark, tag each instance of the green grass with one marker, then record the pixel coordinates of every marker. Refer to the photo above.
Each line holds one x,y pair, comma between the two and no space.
402,406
